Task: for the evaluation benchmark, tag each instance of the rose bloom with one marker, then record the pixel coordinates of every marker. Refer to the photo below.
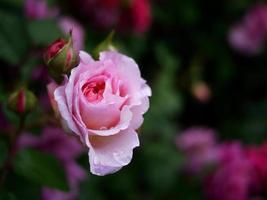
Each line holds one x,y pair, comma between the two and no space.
103,103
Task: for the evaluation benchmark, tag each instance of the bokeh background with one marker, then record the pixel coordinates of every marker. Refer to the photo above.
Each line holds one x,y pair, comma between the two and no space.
206,64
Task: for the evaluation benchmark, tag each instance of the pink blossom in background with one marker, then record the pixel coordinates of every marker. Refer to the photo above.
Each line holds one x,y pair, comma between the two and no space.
249,35
68,24
106,13
38,9
199,146
238,173
66,149
127,16
102,13
231,179
141,15
103,103
258,159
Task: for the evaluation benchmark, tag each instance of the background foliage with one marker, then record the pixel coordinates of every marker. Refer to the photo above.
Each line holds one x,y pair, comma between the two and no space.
187,42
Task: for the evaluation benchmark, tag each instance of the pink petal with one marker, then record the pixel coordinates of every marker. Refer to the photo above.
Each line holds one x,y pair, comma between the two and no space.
109,154
124,66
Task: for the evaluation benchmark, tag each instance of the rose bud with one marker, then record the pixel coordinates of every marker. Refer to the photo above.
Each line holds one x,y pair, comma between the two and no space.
60,57
22,101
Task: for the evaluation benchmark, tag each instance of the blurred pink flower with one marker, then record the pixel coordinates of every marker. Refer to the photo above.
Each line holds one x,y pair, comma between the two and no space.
231,179
249,35
102,13
199,146
67,24
258,159
141,15
38,9
132,15
66,149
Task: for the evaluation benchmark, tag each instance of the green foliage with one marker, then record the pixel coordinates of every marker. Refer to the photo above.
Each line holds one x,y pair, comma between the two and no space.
39,34
181,31
40,168
159,117
7,196
13,37
3,152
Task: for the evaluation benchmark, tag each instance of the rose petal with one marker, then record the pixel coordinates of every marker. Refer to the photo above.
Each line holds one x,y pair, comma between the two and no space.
109,154
60,98
127,70
125,119
85,58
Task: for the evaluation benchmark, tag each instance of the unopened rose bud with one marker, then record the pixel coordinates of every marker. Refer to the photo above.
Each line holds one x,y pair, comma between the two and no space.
60,57
22,101
105,45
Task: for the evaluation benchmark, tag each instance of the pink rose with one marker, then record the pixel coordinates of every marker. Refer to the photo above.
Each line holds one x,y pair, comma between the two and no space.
103,102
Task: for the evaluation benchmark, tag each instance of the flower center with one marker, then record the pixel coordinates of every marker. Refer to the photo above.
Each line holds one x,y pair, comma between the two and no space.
93,91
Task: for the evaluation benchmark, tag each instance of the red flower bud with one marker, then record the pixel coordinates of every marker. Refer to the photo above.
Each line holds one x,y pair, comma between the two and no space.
22,101
60,57
53,49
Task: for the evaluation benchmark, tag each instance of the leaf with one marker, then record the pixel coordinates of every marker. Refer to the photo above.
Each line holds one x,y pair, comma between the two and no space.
40,168
7,196
27,68
3,152
13,3
13,37
43,32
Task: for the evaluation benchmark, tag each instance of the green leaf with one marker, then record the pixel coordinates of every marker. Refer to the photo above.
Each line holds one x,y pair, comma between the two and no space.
40,168
7,196
27,68
43,32
13,3
13,37
3,152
